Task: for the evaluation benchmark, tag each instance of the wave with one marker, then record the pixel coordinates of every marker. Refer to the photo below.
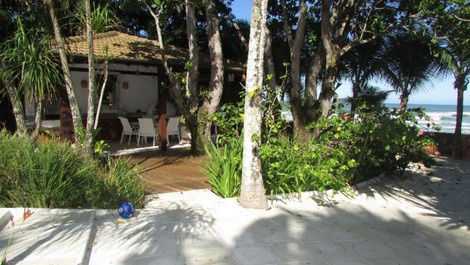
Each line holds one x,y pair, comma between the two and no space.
446,115
446,121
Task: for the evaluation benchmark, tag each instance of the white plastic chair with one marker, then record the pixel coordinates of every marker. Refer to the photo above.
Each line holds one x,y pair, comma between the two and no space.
173,128
146,129
127,129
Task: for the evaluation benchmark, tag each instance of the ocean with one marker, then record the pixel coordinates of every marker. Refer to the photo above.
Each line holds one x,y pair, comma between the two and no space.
444,115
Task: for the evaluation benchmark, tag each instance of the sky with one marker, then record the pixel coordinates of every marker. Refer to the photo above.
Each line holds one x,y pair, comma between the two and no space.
438,91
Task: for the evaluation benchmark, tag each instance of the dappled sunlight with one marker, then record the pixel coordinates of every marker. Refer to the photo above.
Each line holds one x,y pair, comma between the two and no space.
47,235
442,193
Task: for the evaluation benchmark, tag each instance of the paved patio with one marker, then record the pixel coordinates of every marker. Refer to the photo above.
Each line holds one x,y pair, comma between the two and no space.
418,220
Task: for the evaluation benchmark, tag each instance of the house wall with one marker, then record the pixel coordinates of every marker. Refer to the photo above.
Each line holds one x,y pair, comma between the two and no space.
141,92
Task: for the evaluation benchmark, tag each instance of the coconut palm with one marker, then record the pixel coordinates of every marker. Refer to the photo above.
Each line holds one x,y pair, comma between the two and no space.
29,68
361,64
368,95
409,64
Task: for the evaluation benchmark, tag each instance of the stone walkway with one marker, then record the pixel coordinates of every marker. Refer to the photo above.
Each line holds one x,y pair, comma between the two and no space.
418,220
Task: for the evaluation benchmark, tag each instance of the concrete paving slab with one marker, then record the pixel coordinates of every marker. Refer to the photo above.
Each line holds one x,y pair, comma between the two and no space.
416,220
47,237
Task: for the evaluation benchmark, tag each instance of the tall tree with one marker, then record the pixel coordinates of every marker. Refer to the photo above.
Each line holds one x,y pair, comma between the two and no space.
252,193
216,82
92,92
410,64
194,108
344,25
295,45
448,22
360,64
175,88
75,111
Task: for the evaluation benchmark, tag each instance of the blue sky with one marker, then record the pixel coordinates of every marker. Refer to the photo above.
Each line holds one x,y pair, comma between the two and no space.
437,91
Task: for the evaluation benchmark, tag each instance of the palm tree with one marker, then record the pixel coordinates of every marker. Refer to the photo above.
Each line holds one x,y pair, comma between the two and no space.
368,95
29,68
409,64
361,64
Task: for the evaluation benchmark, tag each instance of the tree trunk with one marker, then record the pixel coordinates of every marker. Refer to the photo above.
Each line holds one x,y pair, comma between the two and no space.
75,111
296,87
175,87
100,100
253,194
272,93
355,94
240,34
89,139
311,92
459,85
37,119
193,71
216,83
18,110
404,100
328,85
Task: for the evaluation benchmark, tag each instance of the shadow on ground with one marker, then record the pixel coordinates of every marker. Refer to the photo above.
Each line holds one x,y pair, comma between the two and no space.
346,234
444,192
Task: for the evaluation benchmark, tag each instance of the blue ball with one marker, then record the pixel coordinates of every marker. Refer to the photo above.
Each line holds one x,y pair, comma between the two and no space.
126,209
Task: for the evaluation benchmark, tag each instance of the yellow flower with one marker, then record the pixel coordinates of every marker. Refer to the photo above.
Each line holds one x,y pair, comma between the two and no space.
242,116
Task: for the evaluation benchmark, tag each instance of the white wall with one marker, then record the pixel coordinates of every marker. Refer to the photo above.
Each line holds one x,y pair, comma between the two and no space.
142,89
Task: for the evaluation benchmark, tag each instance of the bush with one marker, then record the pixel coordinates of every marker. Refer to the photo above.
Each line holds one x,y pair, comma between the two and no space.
229,122
379,139
347,150
290,166
51,174
225,167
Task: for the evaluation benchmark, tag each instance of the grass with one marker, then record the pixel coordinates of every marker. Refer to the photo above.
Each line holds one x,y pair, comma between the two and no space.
52,174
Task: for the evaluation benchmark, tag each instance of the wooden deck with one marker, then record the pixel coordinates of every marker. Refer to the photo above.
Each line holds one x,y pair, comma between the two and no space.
171,170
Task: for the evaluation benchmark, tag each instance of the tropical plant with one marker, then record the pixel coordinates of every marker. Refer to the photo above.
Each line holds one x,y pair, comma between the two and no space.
30,63
225,167
448,24
378,139
359,65
51,174
409,64
368,96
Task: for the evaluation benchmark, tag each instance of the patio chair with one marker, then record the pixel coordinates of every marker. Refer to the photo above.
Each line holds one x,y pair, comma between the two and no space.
173,128
127,129
146,129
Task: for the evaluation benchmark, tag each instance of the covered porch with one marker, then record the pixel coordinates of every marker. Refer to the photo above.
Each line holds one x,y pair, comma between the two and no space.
136,86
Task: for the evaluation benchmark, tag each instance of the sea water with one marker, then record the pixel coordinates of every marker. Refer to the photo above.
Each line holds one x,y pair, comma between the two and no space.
443,115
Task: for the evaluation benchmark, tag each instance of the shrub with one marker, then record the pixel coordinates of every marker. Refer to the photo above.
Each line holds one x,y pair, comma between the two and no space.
290,166
347,150
379,139
229,122
225,167
51,174
120,181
